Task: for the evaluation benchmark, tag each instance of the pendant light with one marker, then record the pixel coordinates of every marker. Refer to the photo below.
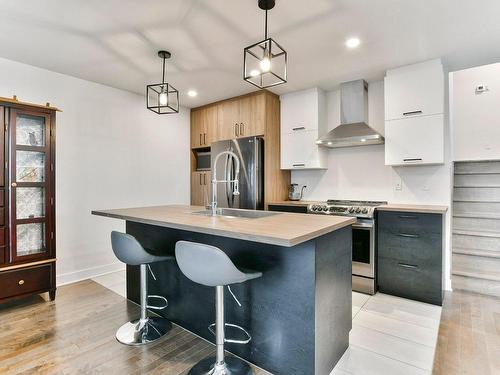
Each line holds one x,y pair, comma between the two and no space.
264,63
162,98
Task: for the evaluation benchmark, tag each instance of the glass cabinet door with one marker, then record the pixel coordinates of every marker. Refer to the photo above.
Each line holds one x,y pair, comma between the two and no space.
30,165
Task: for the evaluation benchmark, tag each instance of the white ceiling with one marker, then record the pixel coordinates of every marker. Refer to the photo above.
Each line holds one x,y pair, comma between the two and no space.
114,42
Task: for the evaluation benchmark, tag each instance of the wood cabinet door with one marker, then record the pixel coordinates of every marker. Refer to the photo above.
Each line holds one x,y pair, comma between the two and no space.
200,188
197,128
31,191
210,124
252,115
228,119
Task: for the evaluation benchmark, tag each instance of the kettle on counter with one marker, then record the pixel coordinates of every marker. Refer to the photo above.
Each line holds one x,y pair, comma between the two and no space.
295,192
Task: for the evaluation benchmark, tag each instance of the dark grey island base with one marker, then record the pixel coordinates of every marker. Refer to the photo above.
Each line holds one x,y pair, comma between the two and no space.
298,313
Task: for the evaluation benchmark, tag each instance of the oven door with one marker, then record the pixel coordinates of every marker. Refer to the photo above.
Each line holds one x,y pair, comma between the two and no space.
363,249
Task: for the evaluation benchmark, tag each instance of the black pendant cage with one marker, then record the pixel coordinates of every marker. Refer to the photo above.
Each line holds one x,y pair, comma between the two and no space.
162,98
154,102
252,64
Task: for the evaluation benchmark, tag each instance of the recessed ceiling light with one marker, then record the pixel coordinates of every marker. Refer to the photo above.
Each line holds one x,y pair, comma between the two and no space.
192,93
352,42
363,140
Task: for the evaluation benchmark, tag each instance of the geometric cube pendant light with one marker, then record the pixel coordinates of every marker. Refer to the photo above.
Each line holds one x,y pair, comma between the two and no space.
162,98
265,62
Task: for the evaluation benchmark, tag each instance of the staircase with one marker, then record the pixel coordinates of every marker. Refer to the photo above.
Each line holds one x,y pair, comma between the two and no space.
476,227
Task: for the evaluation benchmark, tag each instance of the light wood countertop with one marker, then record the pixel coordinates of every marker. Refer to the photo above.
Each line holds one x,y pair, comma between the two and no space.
283,229
421,208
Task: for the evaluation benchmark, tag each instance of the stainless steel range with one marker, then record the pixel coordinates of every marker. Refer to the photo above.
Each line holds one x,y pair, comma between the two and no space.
363,238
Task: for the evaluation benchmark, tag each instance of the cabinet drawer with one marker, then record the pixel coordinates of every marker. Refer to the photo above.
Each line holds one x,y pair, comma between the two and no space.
3,237
3,255
410,280
26,280
2,197
410,223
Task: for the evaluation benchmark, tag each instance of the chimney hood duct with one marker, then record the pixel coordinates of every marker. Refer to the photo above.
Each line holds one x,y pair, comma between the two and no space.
353,129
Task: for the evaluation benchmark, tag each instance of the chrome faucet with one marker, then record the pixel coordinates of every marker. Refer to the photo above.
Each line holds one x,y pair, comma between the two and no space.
236,191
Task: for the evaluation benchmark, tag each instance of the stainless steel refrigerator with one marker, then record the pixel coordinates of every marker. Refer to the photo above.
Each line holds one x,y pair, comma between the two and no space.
250,152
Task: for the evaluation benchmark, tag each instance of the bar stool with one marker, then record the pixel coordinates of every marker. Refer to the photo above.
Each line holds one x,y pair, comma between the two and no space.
147,328
210,266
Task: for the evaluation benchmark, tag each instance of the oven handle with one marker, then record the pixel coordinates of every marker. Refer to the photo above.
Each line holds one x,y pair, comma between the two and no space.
363,225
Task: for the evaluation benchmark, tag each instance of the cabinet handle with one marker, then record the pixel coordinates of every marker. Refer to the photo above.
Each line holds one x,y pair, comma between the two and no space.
411,113
200,180
13,184
204,138
412,160
299,165
299,128
408,266
242,129
408,235
408,217
204,178
236,130
200,140
21,282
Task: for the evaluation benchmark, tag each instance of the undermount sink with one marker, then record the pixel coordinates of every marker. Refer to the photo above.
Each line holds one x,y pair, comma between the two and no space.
232,212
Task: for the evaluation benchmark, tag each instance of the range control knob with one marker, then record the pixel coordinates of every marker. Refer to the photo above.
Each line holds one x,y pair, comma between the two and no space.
365,210
351,210
325,208
358,210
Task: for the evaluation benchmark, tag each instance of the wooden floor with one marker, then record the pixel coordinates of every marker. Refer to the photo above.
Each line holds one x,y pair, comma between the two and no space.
469,335
75,335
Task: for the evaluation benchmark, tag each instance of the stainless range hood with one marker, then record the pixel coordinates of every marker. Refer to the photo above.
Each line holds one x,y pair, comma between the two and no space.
353,129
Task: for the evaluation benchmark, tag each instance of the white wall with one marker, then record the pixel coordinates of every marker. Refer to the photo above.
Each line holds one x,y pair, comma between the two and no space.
360,172
476,117
111,152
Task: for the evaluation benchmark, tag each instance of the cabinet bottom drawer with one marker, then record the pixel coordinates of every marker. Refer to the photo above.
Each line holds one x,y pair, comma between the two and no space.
27,280
411,281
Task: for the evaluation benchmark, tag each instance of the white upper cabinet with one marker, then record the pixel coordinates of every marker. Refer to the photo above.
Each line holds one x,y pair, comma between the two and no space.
414,114
303,120
414,90
417,140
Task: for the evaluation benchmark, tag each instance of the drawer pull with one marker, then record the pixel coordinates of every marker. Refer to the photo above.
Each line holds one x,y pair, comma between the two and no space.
21,282
299,165
408,217
408,266
299,128
411,113
412,160
408,235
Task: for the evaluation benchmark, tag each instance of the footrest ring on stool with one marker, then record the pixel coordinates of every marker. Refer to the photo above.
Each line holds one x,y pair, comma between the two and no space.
246,341
163,299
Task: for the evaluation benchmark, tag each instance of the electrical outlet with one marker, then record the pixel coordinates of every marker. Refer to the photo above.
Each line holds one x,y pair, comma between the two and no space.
399,184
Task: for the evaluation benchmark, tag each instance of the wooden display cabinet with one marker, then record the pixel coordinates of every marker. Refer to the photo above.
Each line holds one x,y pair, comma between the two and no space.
27,199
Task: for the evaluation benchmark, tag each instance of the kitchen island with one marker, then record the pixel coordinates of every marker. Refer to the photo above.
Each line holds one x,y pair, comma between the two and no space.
298,313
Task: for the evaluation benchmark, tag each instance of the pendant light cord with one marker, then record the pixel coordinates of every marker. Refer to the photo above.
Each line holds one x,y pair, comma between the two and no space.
163,79
266,27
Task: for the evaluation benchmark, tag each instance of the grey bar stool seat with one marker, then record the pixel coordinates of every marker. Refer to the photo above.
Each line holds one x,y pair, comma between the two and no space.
147,328
210,266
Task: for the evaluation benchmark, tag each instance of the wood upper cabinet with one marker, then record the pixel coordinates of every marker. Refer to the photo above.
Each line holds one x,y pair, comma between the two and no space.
203,126
200,188
242,117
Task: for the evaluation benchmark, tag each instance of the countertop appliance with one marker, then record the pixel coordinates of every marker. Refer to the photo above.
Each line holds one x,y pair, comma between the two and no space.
363,238
250,153
295,192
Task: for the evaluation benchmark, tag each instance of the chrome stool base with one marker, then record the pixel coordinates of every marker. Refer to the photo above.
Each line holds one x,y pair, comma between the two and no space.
232,366
135,333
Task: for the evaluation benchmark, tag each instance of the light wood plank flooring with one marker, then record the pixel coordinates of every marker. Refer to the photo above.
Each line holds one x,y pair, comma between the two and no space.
75,335
469,335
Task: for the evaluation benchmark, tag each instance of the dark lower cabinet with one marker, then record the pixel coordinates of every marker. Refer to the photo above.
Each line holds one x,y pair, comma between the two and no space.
410,255
301,209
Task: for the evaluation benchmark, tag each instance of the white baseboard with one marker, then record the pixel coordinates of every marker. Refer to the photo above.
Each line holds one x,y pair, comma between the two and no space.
72,277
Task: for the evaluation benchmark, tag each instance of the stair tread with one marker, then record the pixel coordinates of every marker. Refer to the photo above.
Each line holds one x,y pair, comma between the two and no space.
477,252
478,215
477,275
476,233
